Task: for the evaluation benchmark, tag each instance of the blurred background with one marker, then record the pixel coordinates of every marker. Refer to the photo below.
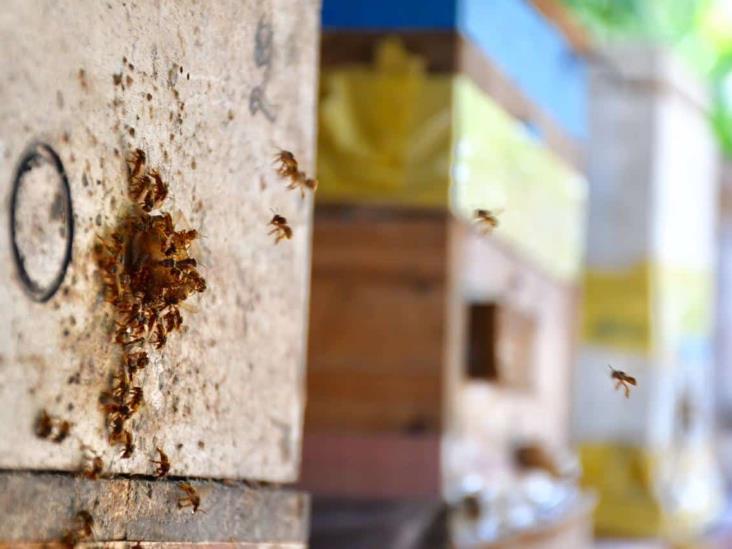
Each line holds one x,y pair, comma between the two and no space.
459,389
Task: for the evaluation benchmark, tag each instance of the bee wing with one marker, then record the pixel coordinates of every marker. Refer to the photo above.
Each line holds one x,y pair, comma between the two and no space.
179,220
188,307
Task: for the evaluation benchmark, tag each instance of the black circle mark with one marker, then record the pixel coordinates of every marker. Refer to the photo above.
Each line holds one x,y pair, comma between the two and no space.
34,156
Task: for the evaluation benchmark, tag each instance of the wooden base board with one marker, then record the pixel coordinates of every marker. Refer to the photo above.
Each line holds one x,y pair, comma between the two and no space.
40,507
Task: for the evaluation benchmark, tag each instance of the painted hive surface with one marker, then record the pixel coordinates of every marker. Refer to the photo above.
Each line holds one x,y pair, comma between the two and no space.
208,92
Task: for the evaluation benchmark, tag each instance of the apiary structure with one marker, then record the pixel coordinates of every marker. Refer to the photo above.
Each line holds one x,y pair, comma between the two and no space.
648,299
209,93
435,348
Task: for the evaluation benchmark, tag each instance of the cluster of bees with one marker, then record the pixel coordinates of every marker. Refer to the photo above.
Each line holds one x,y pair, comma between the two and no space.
147,272
288,169
145,264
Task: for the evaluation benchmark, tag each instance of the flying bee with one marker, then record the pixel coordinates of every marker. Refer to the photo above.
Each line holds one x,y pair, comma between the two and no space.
287,164
302,181
622,379
82,529
486,219
129,447
281,228
163,464
198,283
43,425
191,498
162,224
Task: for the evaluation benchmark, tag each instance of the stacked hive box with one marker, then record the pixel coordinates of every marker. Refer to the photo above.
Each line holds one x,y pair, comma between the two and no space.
648,299
208,93
434,349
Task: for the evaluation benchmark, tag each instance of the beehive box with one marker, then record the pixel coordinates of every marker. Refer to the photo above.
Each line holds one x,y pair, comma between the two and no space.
209,92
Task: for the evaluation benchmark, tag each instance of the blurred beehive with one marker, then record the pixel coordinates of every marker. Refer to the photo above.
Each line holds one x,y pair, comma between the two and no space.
418,128
210,94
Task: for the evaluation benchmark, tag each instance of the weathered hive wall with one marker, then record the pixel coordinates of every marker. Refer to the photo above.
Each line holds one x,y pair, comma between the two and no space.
376,341
209,92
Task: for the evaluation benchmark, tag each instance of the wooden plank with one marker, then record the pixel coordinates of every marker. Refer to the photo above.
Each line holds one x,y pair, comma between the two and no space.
372,466
180,80
39,507
376,339
401,242
349,315
343,401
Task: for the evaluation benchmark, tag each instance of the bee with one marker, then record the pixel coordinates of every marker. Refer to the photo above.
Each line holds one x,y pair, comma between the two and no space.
63,428
43,425
136,361
172,319
136,162
622,379
163,464
129,447
487,219
159,191
287,164
281,228
94,468
191,498
160,336
134,399
180,241
115,427
82,529
147,188
302,181
120,384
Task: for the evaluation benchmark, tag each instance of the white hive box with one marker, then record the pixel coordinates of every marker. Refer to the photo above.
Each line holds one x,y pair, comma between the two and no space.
209,91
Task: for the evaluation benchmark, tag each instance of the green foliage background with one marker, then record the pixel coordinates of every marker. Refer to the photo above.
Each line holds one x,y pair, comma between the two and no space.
700,30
